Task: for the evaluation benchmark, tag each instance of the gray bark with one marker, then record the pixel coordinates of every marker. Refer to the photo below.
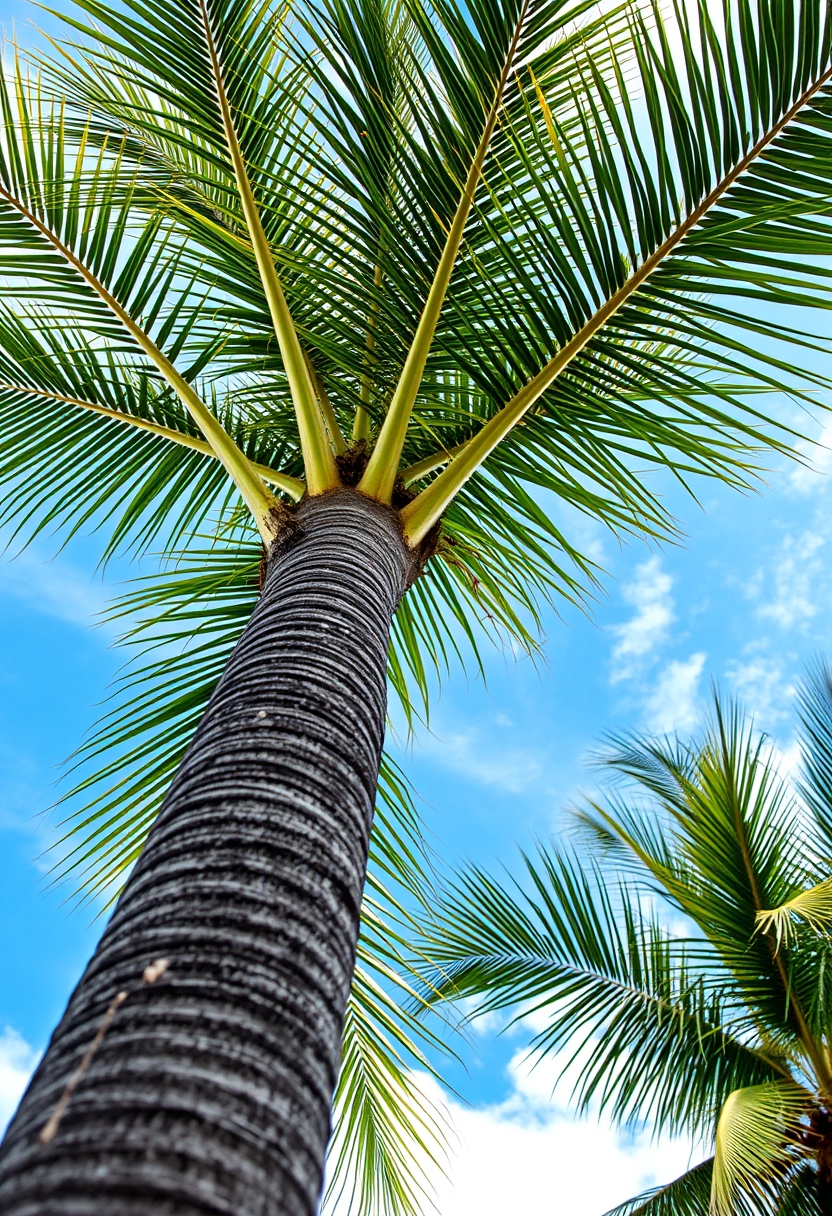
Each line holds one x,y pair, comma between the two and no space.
211,1090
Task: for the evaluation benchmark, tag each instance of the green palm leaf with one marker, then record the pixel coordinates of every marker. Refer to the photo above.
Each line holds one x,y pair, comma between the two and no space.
100,440
754,1142
735,846
632,262
388,1137
688,1195
813,907
657,1021
799,1193
92,262
617,992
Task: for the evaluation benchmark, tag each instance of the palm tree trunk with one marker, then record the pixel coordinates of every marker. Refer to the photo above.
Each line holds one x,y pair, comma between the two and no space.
822,1128
210,1091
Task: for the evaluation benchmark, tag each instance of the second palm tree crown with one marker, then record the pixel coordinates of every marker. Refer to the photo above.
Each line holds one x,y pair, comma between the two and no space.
717,1025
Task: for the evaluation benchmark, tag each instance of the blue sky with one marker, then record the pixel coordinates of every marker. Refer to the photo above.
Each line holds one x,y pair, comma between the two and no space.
746,600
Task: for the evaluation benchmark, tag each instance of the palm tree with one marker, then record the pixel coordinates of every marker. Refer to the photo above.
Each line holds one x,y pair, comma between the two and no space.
718,1026
367,297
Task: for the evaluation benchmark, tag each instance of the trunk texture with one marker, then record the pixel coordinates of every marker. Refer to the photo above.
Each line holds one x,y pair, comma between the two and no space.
210,1091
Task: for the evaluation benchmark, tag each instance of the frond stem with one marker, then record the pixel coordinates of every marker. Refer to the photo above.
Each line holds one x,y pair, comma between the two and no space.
425,510
257,497
382,470
293,486
336,436
415,472
318,458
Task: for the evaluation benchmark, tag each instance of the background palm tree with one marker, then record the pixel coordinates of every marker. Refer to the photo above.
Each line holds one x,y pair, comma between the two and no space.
433,273
718,1027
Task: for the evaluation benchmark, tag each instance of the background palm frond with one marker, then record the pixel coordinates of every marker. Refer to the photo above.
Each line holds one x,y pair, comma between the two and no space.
667,992
623,1000
689,1195
753,1150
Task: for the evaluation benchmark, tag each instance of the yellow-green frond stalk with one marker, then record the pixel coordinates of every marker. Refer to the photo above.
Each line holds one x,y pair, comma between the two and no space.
336,437
292,486
382,470
429,464
421,515
318,456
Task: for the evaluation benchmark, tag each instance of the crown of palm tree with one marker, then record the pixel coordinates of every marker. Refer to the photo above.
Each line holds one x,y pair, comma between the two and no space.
720,1026
478,261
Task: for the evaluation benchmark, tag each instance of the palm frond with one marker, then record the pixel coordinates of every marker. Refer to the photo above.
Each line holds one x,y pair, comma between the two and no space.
653,227
74,236
688,1195
489,51
738,846
624,1001
652,1023
755,1142
799,1193
389,1139
150,481
814,907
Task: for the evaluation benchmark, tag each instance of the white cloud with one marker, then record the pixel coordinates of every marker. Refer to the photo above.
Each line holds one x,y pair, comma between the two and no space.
758,683
795,572
528,1154
54,587
485,1024
17,1060
649,594
489,762
673,704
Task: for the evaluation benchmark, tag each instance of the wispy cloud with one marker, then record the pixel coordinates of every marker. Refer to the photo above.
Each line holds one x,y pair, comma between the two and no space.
17,1061
476,754
673,704
812,477
796,570
56,587
759,683
649,594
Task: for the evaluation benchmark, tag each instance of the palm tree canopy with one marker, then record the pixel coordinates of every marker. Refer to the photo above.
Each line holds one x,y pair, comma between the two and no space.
632,216
717,1025
480,260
